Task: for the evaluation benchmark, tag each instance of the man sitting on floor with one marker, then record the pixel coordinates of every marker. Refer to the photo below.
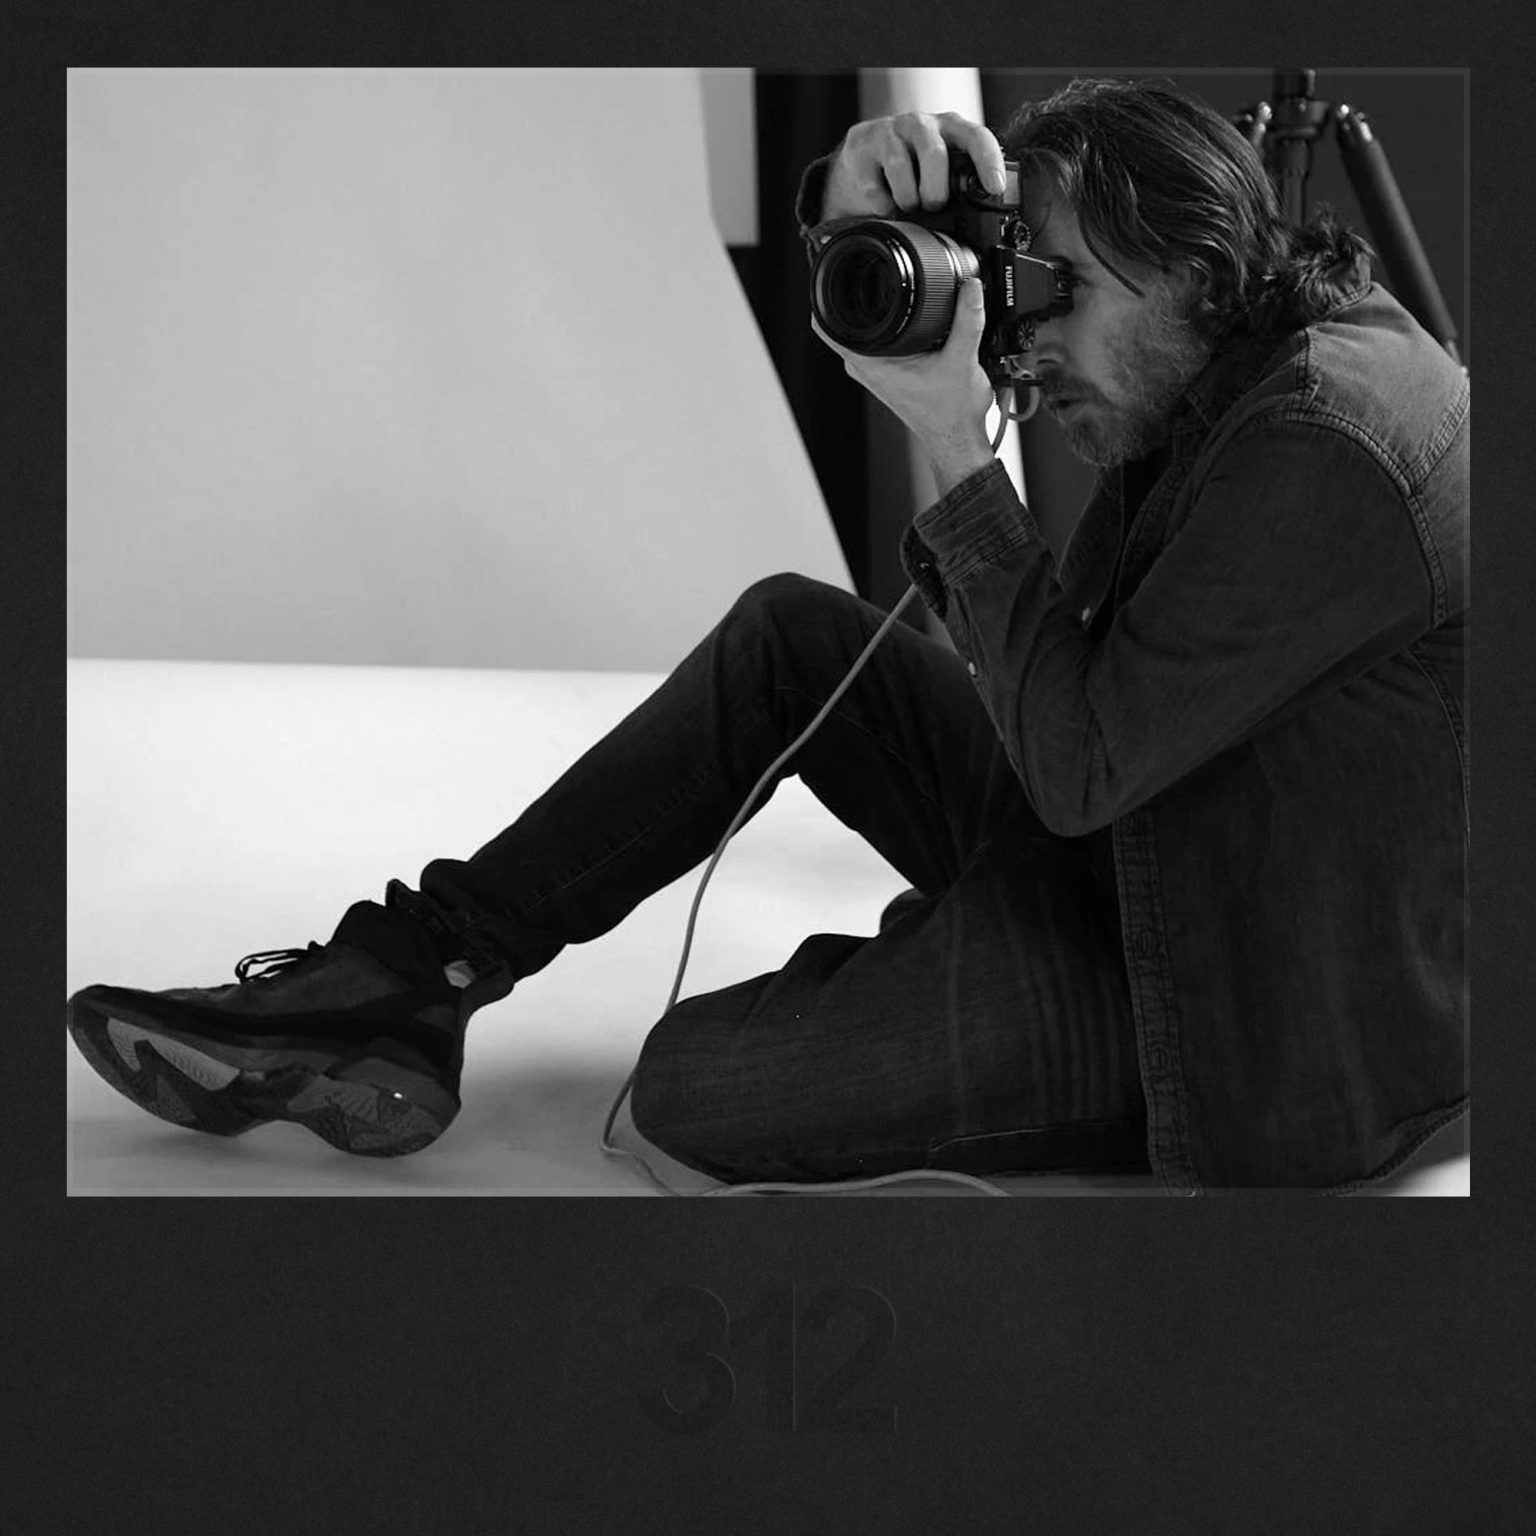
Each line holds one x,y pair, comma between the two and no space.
1185,813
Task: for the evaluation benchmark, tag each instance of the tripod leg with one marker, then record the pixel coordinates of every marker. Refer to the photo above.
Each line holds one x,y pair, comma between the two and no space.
1386,214
1292,160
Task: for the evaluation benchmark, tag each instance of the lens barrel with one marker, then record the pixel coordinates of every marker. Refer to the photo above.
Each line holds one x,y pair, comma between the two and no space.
884,288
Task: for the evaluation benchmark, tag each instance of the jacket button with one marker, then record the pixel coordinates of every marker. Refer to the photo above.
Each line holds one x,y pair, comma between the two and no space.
1087,614
970,667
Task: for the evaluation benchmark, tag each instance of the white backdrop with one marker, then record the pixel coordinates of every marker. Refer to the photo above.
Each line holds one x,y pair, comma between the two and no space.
414,367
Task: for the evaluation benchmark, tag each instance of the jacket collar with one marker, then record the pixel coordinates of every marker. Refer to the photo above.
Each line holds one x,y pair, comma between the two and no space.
1090,554
1224,380
1234,370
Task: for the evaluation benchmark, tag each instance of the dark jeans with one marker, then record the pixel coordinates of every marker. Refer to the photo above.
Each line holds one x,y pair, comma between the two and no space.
988,1029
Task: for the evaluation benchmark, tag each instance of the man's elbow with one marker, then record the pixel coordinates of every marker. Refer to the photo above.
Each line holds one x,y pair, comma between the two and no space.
1076,824
1075,815
1066,817
1073,804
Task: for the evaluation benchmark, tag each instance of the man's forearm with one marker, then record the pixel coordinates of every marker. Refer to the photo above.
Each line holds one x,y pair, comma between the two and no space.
956,460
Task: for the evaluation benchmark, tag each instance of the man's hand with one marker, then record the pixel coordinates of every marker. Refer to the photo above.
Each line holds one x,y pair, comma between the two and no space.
942,397
891,164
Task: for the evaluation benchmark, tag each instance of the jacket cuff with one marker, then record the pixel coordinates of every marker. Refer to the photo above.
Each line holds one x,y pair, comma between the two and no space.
979,522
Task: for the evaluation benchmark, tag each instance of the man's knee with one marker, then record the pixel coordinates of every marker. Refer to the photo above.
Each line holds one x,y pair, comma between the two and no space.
651,1091
658,1102
779,599
673,1107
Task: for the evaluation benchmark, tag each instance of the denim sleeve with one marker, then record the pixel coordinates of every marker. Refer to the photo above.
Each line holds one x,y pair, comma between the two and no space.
1294,568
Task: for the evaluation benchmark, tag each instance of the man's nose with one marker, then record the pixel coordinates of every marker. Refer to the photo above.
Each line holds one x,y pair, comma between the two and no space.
1046,332
1044,350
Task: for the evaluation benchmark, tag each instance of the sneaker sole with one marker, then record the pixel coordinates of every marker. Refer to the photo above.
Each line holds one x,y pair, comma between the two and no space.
367,1105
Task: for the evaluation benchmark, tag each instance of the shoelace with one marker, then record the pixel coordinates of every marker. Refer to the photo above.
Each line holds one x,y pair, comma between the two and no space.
276,961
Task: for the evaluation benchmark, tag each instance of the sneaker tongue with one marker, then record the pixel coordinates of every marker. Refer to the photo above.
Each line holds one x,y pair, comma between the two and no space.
394,938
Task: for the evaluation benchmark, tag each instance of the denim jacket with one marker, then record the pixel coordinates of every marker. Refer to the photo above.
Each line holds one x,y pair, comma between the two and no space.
1257,679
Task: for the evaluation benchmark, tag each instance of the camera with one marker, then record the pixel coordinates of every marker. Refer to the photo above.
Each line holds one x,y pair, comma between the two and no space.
887,287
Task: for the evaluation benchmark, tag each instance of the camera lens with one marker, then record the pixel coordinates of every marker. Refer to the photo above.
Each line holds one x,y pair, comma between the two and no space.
867,286
887,289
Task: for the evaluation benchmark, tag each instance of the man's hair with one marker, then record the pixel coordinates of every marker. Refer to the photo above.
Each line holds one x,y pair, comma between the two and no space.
1159,178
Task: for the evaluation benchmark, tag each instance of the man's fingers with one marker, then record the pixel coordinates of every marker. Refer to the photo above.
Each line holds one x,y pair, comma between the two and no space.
970,318
891,165
921,131
896,163
979,142
842,352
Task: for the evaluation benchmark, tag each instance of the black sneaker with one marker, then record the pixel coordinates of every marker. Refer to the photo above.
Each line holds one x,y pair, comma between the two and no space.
360,1040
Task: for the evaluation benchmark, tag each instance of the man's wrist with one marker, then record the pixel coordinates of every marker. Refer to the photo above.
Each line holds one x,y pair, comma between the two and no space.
956,459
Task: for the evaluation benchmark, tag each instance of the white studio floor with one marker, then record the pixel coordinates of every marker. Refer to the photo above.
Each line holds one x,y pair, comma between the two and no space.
220,809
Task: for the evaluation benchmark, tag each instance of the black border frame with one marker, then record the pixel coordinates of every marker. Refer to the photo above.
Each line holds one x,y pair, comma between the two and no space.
464,1366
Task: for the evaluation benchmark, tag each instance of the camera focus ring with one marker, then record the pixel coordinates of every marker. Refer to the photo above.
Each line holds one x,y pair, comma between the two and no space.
885,288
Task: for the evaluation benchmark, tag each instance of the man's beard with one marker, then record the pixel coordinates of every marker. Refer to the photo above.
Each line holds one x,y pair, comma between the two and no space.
1151,367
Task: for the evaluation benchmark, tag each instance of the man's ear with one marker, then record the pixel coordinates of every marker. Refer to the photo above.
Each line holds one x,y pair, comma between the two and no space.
1207,306
1193,282
1190,288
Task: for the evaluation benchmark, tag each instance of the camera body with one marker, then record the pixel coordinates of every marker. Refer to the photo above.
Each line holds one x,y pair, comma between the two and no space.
887,287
